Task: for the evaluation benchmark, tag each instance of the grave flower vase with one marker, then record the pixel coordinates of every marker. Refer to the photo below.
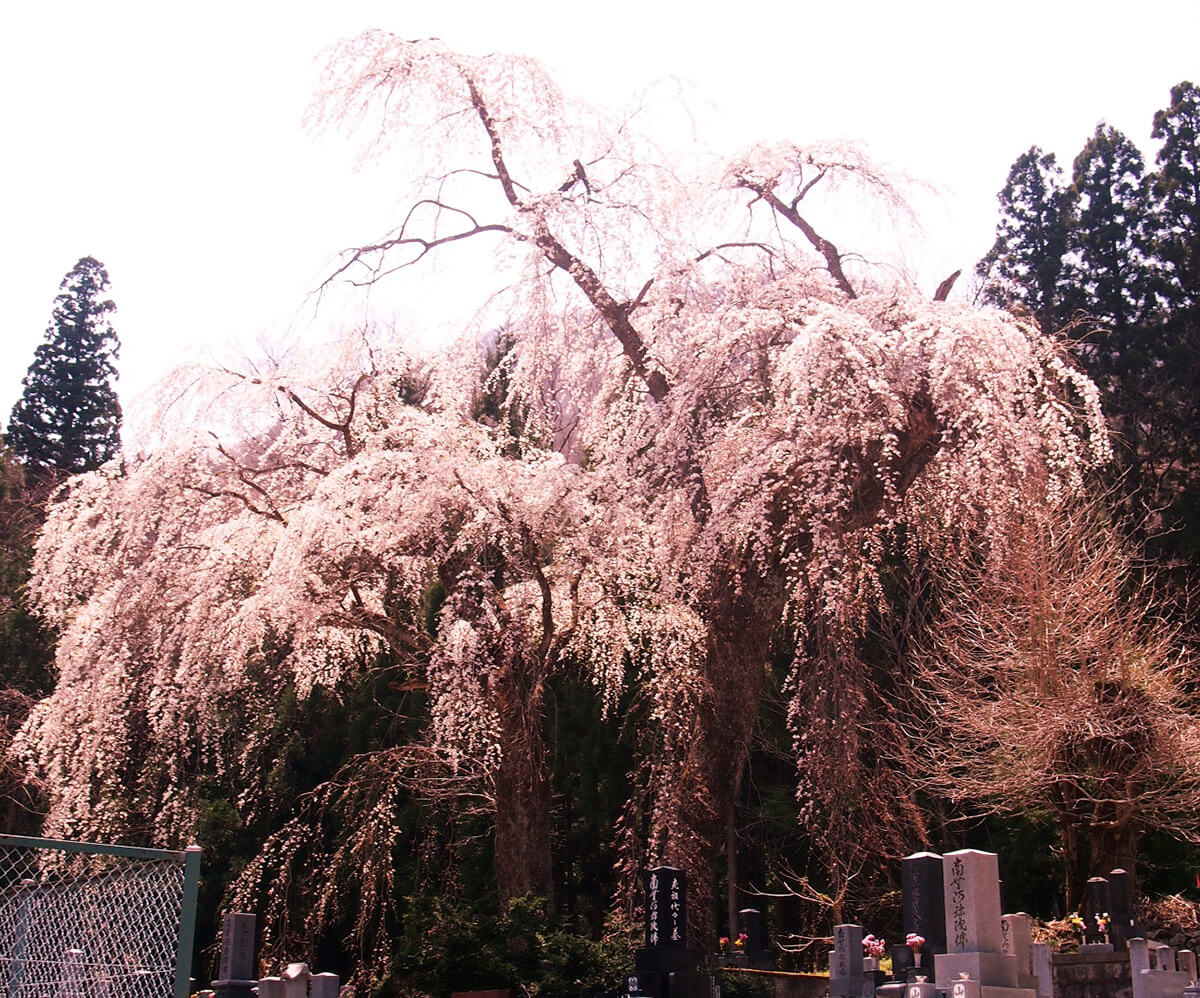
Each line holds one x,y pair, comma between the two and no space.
870,964
916,957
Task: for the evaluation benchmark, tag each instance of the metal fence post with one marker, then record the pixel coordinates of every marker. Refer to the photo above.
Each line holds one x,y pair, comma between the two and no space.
187,920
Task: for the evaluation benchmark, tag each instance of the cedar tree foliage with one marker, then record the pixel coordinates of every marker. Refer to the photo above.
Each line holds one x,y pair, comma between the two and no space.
1113,257
68,419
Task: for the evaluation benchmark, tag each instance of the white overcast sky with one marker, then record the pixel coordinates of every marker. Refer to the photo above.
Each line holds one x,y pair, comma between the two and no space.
165,139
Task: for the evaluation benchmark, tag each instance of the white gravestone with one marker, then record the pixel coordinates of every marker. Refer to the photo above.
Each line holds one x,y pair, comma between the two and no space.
974,938
971,880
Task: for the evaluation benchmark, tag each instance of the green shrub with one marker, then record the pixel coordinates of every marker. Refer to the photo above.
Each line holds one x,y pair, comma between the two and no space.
457,946
736,984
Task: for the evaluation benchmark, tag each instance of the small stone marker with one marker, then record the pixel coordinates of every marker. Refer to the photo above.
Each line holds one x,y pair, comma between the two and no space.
1016,933
1185,961
1043,969
237,946
1139,961
964,988
237,956
846,962
753,925
920,989
295,980
270,987
750,923
1154,954
322,986
72,975
972,899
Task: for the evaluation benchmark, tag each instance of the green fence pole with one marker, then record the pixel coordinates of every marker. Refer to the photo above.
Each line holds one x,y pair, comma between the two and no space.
187,921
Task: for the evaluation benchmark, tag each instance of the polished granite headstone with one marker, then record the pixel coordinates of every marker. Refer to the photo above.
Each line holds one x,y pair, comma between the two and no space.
665,954
752,924
1122,925
924,910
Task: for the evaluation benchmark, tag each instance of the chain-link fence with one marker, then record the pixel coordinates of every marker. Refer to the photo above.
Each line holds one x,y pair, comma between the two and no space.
79,920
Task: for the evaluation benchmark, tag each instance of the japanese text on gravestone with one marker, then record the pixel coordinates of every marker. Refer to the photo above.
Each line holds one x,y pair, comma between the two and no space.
675,909
654,909
958,899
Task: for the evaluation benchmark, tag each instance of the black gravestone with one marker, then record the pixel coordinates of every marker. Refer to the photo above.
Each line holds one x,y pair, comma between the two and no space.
1122,925
752,925
237,956
1099,902
690,984
924,905
665,952
323,986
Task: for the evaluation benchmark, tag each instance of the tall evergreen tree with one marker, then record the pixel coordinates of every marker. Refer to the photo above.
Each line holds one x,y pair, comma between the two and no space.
1024,269
68,419
1117,255
1109,236
1176,193
1176,189
1115,287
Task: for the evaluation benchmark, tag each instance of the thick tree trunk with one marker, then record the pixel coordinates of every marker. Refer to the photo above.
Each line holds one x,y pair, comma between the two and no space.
522,830
1075,866
522,844
1114,848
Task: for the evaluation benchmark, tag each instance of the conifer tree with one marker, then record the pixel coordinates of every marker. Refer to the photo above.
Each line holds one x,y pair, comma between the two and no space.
1176,188
1109,236
1176,192
1024,269
68,418
1125,267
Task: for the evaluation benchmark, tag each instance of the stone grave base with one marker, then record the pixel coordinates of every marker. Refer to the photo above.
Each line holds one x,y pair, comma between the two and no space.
1092,975
988,991
1164,983
997,970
